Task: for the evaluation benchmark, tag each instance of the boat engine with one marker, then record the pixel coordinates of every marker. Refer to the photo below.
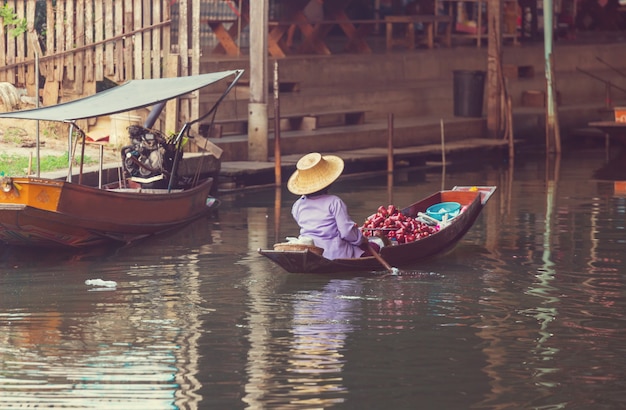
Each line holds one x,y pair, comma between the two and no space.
149,157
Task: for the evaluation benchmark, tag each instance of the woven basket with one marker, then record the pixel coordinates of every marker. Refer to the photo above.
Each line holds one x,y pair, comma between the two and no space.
297,247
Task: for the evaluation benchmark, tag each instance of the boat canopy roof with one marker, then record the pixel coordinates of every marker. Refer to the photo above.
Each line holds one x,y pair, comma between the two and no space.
131,95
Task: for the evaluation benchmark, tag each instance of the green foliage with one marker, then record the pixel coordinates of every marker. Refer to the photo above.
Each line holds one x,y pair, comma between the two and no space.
17,165
10,20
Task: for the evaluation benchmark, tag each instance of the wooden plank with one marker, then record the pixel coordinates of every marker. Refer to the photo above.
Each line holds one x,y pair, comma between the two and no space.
79,41
32,46
223,36
183,40
194,109
313,34
429,22
137,43
98,54
165,34
3,52
171,107
274,40
50,93
356,40
32,84
10,52
128,73
59,63
156,41
69,39
205,145
47,68
108,14
183,49
89,39
146,46
20,49
118,28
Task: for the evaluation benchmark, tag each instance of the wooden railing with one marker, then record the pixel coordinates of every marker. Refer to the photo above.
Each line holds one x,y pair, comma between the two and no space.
83,42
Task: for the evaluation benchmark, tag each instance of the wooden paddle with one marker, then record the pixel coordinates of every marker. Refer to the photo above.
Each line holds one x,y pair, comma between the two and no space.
379,258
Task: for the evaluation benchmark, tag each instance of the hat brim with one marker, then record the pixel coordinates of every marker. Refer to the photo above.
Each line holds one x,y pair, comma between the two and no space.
307,182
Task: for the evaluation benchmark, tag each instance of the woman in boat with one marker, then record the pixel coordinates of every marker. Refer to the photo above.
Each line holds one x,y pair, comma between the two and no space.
321,216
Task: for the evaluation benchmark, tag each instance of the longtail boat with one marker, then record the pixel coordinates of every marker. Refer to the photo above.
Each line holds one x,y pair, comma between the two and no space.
472,200
155,193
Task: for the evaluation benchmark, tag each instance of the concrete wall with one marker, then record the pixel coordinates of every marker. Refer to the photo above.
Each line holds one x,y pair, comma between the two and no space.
420,82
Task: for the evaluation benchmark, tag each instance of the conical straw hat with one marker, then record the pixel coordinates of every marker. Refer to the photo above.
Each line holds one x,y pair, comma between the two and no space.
314,172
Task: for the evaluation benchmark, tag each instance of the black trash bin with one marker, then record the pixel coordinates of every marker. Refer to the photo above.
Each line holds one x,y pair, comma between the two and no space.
469,87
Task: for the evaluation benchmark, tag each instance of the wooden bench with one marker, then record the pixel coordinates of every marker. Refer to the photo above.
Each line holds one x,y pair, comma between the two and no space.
429,22
288,122
227,42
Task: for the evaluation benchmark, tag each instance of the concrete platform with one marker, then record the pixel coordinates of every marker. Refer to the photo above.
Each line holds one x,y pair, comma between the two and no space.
237,175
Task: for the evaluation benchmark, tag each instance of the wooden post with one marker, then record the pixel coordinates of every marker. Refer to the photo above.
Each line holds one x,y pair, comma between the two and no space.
390,143
171,107
443,143
277,159
257,106
494,57
552,127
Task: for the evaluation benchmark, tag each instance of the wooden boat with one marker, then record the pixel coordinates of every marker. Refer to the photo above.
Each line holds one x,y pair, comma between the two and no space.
472,200
45,212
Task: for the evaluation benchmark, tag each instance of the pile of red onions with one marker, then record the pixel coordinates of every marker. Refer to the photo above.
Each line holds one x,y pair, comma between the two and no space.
390,222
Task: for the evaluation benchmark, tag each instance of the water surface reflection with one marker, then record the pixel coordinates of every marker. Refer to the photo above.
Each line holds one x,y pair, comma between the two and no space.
527,312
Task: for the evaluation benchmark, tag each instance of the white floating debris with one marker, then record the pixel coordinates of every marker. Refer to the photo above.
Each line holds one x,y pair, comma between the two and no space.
102,283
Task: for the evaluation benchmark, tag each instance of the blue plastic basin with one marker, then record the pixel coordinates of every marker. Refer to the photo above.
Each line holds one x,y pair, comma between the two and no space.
438,211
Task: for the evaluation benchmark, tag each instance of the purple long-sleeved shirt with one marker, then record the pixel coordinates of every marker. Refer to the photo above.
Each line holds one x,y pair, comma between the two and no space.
325,219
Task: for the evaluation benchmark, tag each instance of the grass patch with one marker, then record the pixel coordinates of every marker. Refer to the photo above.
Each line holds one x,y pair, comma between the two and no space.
17,165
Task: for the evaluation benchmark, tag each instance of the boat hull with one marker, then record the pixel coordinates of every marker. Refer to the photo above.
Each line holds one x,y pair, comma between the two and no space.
41,212
472,201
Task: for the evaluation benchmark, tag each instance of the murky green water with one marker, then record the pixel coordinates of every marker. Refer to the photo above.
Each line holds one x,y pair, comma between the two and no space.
527,312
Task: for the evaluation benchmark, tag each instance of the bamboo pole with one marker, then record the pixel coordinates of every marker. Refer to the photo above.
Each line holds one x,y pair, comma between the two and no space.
390,143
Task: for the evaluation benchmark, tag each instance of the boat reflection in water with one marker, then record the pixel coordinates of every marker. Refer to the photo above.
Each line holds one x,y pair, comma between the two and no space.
527,311
70,340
